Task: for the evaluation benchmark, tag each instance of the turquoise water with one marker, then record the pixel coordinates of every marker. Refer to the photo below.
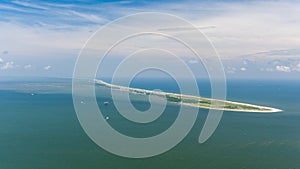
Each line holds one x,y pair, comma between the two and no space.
39,129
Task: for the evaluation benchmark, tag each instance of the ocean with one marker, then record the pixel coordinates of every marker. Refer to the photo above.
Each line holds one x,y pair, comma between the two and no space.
39,129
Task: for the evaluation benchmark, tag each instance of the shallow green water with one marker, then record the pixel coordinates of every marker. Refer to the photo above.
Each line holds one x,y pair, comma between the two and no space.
42,131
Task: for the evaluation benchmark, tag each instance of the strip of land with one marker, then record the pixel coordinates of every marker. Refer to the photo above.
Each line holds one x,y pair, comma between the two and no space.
195,101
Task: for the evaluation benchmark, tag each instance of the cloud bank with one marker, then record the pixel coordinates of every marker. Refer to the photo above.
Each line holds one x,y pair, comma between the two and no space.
263,34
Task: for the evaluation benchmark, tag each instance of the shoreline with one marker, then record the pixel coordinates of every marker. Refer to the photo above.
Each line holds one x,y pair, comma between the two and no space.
196,100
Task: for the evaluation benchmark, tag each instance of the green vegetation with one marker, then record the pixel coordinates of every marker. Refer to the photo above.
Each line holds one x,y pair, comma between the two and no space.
171,98
205,101
193,100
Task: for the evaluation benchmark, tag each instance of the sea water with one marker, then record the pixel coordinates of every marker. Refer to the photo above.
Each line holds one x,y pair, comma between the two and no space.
39,128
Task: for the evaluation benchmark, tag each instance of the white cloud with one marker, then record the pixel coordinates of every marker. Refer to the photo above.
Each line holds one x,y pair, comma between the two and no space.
242,26
35,41
231,70
243,69
27,66
1,60
283,68
7,65
47,67
8,7
89,17
193,61
30,5
297,67
239,29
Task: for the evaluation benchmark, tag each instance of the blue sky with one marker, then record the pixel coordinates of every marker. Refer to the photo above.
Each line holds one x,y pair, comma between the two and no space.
256,39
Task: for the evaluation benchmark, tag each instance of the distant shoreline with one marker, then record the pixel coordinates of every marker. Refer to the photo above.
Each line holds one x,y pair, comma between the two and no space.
194,101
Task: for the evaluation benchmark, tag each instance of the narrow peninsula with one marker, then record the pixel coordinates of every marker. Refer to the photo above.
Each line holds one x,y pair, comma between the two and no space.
195,101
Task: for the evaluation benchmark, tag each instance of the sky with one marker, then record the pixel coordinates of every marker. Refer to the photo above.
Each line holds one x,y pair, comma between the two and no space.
254,39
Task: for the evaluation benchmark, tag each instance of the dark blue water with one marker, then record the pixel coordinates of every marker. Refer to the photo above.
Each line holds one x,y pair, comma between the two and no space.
39,129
